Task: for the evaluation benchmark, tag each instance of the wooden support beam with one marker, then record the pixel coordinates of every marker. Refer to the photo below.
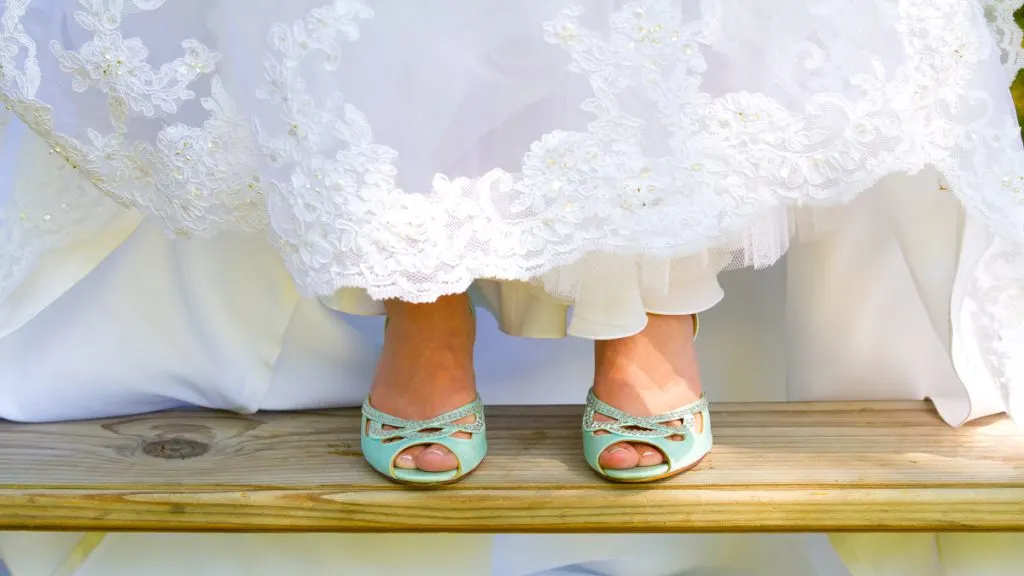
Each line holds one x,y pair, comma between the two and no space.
775,467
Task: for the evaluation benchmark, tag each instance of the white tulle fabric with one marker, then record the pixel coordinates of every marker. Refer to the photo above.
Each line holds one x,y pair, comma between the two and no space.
596,149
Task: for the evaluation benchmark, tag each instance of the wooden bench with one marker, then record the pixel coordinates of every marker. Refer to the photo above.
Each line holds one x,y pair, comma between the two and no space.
775,467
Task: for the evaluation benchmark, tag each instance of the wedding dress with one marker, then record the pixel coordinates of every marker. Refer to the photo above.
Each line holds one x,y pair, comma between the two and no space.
605,154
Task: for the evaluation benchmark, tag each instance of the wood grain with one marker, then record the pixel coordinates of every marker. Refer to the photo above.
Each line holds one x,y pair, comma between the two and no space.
775,467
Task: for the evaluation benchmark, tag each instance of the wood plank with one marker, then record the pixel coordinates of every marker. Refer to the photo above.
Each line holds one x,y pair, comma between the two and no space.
775,467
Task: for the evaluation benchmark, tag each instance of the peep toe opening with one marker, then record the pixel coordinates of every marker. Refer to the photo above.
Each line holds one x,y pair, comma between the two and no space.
381,447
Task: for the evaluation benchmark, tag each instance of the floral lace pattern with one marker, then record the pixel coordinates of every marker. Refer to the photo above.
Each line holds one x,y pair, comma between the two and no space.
62,208
731,156
1008,35
997,289
578,192
194,178
175,143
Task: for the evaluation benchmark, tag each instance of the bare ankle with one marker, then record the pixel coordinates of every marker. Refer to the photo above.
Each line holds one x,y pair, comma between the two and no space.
426,365
443,309
658,362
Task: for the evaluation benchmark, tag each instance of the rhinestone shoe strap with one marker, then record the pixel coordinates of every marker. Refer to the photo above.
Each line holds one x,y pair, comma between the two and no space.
641,426
437,427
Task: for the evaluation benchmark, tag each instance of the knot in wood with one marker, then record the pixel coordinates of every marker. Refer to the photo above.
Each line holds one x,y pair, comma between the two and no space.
175,449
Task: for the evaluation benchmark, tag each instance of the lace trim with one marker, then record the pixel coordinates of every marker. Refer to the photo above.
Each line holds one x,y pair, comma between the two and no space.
197,180
52,206
576,192
1007,33
997,286
568,176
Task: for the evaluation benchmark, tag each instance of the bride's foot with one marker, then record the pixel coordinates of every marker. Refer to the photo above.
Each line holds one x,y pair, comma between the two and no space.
651,373
425,370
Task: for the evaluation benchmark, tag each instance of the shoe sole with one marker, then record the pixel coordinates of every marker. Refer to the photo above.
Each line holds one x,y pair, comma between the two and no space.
654,478
401,482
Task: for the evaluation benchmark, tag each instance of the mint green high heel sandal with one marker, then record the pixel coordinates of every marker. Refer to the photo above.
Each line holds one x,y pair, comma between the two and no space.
381,447
679,455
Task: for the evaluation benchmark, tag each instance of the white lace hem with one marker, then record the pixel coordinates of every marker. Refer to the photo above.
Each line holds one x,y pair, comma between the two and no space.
325,191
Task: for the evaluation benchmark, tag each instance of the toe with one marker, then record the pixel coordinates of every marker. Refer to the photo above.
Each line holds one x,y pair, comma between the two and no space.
407,459
619,457
436,458
648,455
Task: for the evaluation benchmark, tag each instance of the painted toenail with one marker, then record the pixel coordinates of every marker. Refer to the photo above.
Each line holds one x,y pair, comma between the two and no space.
649,453
434,451
616,450
406,458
